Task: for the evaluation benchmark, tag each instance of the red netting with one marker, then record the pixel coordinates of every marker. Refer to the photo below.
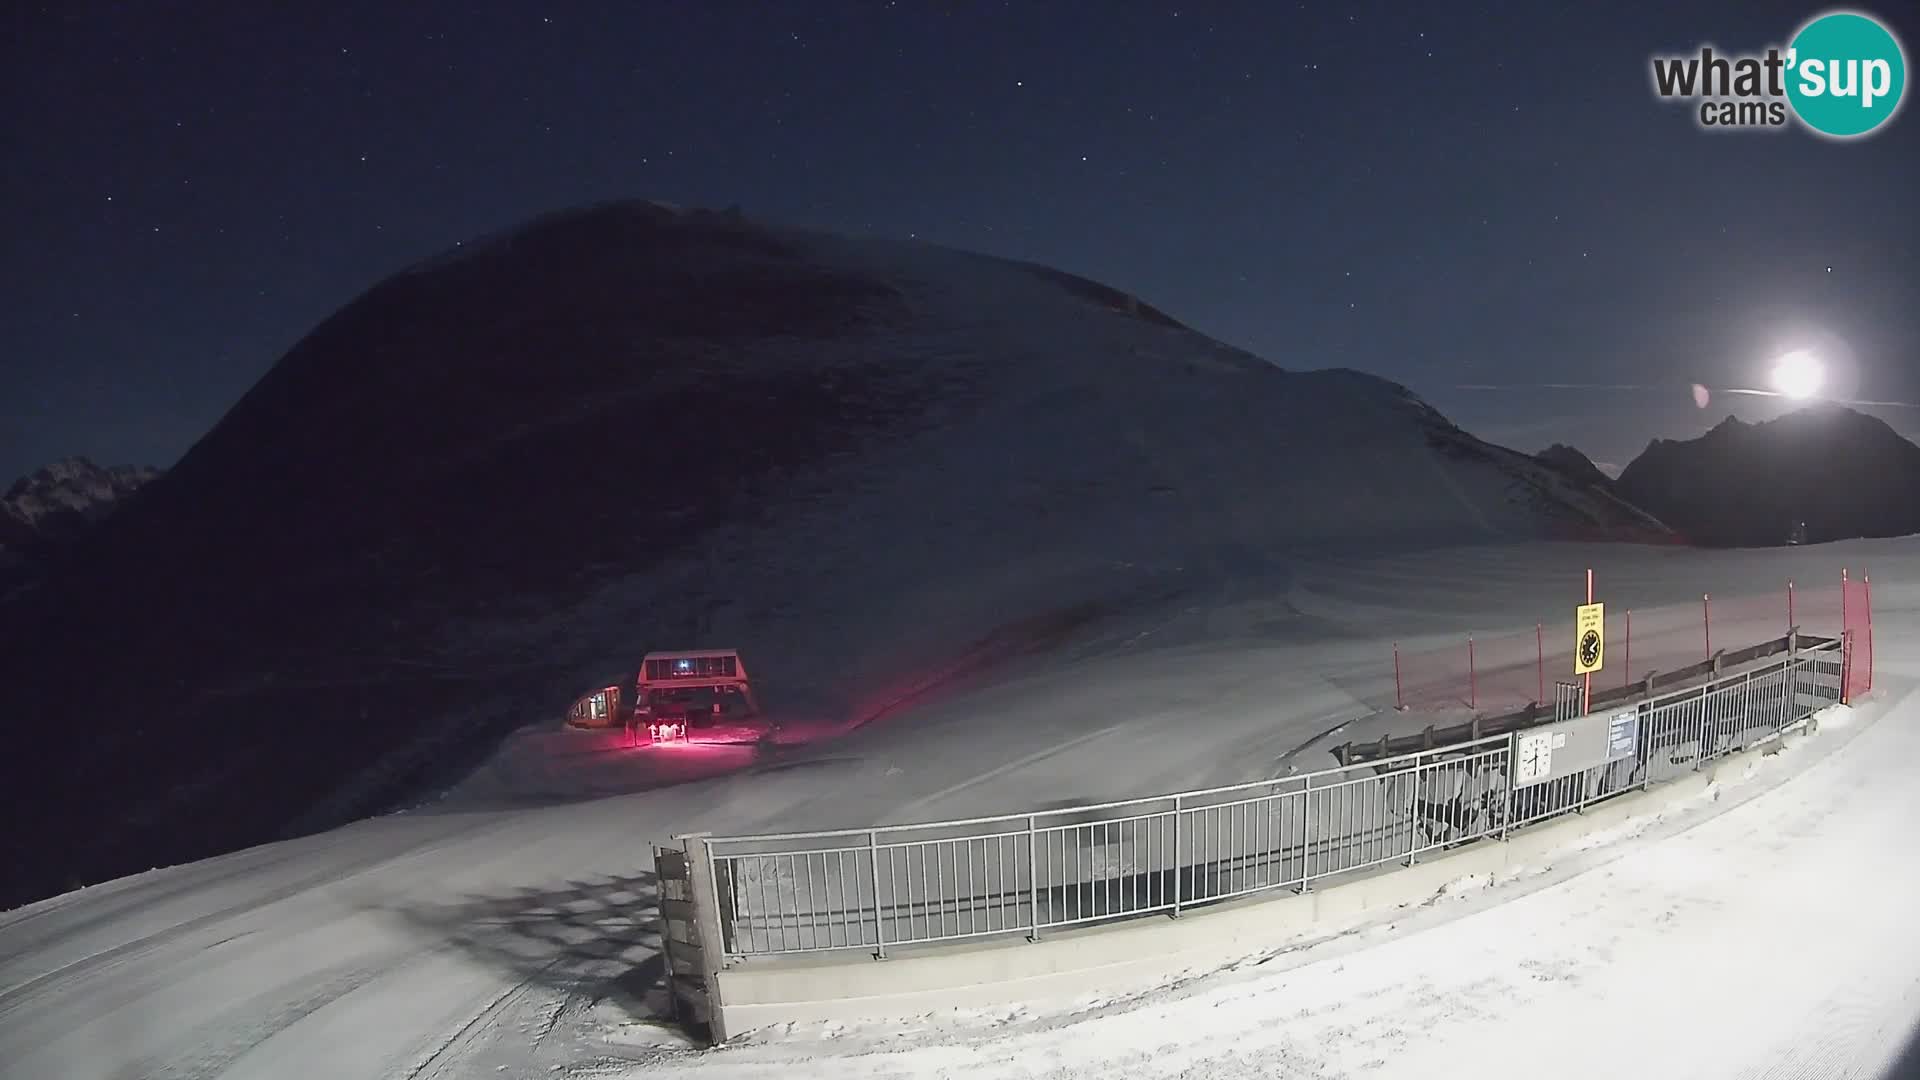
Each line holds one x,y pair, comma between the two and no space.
1434,679
1735,622
1817,607
1489,673
1859,625
1509,672
1492,674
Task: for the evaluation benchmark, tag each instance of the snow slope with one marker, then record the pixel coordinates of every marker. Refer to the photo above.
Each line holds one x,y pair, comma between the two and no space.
494,481
497,932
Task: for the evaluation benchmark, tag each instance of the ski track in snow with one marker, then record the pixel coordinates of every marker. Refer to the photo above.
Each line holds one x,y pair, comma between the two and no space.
1770,939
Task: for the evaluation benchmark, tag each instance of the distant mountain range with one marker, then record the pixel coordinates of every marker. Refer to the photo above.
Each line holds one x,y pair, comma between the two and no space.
1821,473
61,501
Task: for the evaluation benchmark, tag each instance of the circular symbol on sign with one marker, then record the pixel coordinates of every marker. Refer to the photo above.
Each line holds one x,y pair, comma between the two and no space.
1589,648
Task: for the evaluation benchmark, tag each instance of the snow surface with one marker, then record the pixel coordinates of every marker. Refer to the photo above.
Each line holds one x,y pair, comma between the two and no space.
503,930
854,459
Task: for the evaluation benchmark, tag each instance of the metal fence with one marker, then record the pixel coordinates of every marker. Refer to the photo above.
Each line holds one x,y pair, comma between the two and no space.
1027,874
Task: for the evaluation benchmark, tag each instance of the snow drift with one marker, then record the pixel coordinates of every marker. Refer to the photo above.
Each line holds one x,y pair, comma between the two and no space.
501,475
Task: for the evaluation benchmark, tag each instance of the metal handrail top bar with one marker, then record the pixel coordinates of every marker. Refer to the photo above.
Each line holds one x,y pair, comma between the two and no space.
1306,777
1457,748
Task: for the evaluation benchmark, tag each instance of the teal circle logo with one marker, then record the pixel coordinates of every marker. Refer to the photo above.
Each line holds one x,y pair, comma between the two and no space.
1846,74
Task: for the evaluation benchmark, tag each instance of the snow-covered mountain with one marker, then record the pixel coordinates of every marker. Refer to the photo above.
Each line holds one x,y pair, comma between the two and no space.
63,499
503,474
1592,482
1574,465
1825,472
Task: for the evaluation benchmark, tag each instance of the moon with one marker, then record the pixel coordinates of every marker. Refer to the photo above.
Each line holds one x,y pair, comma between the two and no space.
1798,375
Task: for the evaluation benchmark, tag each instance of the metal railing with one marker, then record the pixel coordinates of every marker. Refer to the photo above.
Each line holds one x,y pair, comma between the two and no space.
1028,874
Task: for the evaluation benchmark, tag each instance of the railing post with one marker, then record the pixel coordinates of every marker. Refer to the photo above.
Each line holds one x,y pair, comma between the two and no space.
1306,834
1793,673
879,923
1746,704
1506,797
1033,879
1413,812
1699,703
1177,856
1646,711
1846,667
708,931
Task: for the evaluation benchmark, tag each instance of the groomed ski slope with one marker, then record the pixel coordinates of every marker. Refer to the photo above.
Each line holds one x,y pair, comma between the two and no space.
500,932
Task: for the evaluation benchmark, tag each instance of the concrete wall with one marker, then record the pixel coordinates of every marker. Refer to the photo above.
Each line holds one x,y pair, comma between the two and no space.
759,991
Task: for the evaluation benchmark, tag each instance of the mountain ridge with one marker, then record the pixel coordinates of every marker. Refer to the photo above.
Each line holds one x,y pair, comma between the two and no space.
501,474
1823,472
57,502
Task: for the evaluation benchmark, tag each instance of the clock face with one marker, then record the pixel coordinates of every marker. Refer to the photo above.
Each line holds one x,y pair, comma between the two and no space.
1535,758
1589,648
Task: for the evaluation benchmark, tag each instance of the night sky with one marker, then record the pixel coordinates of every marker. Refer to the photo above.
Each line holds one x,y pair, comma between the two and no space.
1445,195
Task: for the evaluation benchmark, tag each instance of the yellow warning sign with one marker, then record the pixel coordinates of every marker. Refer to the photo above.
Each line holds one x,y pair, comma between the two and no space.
1589,638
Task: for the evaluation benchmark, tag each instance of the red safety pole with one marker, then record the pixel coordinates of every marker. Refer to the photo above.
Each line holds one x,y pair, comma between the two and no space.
1540,664
1706,620
1399,698
1473,679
